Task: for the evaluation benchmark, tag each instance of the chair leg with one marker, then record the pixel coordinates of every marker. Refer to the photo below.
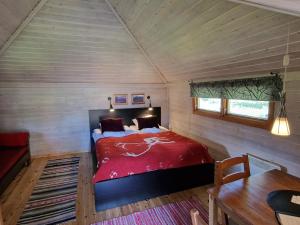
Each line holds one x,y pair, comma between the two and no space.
224,218
196,218
213,210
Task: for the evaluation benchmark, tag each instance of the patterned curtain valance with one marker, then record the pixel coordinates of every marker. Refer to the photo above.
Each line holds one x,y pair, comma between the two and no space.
260,89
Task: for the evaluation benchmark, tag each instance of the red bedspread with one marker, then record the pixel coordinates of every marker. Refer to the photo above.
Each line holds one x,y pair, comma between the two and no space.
139,153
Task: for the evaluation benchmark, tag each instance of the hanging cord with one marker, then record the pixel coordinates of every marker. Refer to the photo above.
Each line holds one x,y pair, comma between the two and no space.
282,113
286,56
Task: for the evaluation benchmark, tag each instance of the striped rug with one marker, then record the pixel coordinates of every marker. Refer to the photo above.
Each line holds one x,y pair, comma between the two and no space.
54,196
177,213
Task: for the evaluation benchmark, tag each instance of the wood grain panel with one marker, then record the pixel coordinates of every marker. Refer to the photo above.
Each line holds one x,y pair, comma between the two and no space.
184,39
75,41
13,12
231,139
284,6
57,114
190,40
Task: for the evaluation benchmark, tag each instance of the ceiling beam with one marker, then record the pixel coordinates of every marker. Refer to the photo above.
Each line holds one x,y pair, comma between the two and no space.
20,28
143,51
291,7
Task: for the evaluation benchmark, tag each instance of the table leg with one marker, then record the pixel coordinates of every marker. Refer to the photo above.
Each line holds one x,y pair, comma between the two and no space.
1,218
213,211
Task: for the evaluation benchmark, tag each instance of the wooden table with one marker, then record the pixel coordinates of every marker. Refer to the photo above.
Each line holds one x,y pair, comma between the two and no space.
245,200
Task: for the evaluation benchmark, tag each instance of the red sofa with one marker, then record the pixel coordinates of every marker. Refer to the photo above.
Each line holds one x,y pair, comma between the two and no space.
14,155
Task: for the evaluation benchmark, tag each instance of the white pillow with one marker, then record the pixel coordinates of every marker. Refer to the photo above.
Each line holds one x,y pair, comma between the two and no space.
126,127
97,131
136,123
163,128
97,136
114,134
118,133
153,130
134,127
131,131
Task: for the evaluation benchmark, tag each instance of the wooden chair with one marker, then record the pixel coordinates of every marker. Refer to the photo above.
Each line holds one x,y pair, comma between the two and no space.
222,166
221,178
196,218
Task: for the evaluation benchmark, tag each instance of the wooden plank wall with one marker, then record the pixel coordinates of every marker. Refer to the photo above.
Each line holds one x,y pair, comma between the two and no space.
230,139
57,114
68,59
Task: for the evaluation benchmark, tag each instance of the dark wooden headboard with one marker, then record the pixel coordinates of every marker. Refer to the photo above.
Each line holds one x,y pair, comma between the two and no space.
127,114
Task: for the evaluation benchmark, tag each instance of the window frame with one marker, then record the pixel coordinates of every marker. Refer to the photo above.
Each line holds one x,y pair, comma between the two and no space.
223,115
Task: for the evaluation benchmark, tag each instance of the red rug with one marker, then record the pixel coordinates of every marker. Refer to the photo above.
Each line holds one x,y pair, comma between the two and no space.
177,213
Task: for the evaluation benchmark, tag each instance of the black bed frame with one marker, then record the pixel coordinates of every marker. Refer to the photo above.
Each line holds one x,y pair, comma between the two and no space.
121,191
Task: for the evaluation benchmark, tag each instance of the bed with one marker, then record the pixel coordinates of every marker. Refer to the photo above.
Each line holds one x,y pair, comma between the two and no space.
142,166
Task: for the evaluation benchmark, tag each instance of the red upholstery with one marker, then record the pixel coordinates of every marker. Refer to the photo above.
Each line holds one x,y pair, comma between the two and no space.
18,139
13,146
8,159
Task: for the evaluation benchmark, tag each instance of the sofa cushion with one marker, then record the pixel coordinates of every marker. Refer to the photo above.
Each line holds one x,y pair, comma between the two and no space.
16,139
9,157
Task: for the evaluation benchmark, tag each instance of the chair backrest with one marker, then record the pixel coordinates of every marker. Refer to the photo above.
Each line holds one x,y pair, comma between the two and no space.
224,165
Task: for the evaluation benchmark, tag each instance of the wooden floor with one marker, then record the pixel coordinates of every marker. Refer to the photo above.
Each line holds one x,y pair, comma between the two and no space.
16,195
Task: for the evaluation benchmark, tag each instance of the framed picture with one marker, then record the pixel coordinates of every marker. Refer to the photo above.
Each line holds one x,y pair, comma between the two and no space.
138,99
120,99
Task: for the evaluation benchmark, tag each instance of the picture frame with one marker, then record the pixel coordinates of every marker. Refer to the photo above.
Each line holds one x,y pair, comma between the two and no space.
120,99
137,99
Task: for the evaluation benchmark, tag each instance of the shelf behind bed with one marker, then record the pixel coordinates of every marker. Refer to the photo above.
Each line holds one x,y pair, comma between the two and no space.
117,192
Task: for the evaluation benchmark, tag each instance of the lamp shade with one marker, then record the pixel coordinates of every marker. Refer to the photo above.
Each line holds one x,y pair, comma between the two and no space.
281,124
281,127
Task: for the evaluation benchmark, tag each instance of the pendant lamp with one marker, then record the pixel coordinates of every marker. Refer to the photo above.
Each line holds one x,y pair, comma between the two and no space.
281,124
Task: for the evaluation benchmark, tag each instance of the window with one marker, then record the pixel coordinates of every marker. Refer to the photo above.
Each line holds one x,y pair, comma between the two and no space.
247,108
210,104
252,113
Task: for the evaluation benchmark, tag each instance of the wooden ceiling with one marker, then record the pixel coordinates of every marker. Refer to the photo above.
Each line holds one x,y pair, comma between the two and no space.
13,12
75,41
83,41
291,7
211,38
